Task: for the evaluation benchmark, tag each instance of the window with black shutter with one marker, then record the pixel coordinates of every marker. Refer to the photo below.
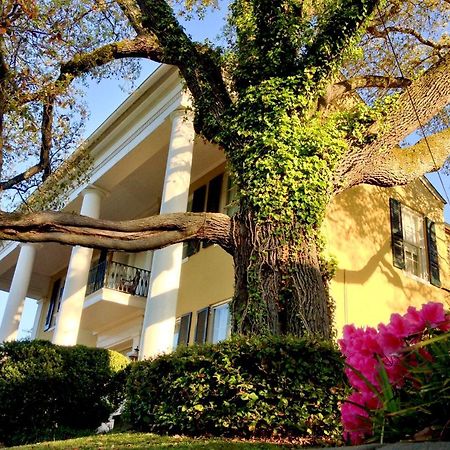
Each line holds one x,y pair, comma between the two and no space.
433,256
397,233
52,305
201,329
414,244
214,194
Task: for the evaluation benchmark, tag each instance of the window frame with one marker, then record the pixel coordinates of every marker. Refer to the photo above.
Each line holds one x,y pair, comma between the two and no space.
418,221
428,259
211,321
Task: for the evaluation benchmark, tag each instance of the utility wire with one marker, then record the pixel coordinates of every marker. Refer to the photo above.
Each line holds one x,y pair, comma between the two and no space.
412,102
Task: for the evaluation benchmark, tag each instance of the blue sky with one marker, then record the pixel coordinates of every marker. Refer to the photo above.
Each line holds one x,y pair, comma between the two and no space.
104,97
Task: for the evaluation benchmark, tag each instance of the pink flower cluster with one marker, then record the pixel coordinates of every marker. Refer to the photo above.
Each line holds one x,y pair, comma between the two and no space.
364,348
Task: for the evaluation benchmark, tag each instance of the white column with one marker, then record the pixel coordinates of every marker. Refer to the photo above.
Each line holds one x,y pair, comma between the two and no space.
37,320
18,292
160,311
69,316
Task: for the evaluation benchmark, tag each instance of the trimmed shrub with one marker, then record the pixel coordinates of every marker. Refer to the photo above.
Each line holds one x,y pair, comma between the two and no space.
49,391
247,387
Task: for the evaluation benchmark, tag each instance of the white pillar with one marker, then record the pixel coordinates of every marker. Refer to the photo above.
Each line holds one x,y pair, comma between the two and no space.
37,320
18,292
160,311
69,316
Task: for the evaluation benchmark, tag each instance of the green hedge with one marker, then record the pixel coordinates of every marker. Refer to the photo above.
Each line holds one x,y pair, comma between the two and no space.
278,386
49,391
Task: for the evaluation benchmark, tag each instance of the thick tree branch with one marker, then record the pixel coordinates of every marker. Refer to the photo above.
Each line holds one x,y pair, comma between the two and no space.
199,66
335,91
403,165
145,46
142,46
404,30
430,94
133,14
132,236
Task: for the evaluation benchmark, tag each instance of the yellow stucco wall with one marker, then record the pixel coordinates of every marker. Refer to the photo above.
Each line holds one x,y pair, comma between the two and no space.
367,287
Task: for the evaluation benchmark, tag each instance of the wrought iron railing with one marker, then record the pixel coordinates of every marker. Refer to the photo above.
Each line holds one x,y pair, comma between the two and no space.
120,277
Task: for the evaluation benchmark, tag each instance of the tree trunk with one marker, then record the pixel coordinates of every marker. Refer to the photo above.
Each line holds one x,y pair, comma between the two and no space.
279,286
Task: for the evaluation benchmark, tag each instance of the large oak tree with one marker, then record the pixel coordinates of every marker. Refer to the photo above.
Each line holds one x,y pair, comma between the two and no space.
306,100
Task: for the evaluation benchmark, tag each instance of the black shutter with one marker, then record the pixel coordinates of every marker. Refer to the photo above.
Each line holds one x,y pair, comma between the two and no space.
433,256
214,194
52,304
185,328
198,205
202,326
398,253
214,191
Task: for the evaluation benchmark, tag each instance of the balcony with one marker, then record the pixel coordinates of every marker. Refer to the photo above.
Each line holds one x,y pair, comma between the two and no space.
119,277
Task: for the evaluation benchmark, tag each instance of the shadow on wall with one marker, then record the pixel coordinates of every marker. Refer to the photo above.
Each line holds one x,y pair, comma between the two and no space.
367,287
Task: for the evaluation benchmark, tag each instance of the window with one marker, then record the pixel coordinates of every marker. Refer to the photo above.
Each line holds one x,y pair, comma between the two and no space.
182,330
232,205
202,326
55,303
220,323
213,324
414,245
204,199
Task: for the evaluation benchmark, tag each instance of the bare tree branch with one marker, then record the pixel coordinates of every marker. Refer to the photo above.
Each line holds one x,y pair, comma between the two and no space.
144,46
404,30
46,143
132,236
335,91
430,93
403,165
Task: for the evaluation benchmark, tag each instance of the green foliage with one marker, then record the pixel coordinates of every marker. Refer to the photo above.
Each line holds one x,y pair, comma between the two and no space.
285,168
49,391
249,387
423,401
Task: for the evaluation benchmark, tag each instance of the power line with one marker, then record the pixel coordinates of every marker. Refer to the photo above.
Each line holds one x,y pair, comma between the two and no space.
412,103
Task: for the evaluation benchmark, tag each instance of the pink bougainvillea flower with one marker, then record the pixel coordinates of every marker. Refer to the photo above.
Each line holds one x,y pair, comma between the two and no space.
415,321
355,418
398,326
396,370
389,341
433,314
445,325
365,349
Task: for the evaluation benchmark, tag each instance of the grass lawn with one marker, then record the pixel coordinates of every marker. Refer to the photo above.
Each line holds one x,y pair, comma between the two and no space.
151,441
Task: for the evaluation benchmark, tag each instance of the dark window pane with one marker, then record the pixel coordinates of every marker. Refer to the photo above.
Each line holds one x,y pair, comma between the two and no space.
202,326
185,328
52,304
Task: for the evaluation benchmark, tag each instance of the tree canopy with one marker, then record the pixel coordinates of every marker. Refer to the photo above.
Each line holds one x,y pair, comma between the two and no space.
306,99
